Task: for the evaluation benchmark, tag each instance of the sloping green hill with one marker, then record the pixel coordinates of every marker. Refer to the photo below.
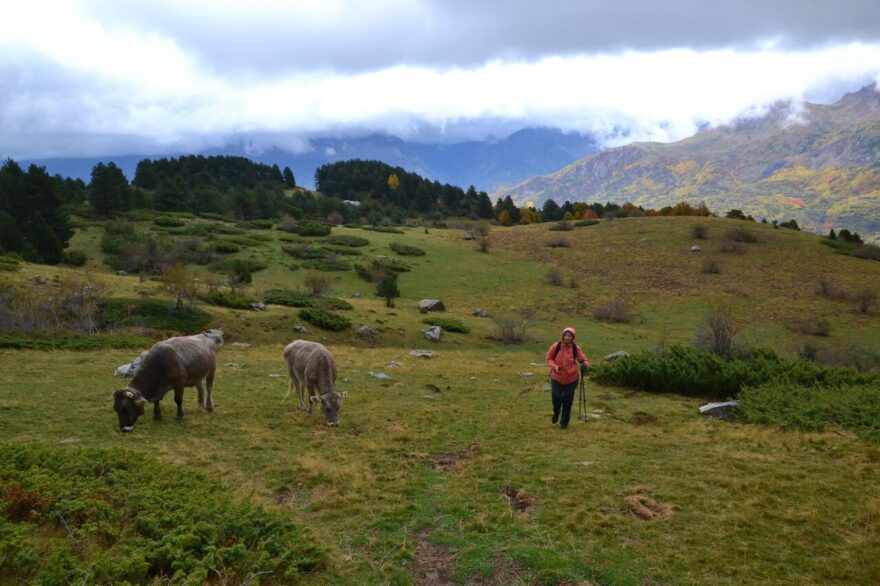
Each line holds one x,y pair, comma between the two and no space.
816,164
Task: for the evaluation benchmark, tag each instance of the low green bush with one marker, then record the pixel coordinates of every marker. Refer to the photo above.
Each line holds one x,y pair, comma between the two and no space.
406,250
168,222
343,250
343,240
226,247
71,341
324,319
237,265
230,299
332,304
583,223
305,251
700,373
448,324
288,297
813,407
385,229
257,224
74,258
10,264
324,265
157,314
127,518
312,228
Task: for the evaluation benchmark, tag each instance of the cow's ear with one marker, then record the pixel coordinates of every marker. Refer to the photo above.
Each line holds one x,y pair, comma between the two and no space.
315,399
140,403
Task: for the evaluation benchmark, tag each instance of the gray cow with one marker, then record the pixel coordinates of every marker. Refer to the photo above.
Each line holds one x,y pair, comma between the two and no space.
311,366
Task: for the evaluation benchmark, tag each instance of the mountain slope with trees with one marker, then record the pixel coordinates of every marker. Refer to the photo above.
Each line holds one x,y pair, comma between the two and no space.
816,164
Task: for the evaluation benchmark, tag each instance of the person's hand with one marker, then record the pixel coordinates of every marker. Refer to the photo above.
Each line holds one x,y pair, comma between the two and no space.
557,368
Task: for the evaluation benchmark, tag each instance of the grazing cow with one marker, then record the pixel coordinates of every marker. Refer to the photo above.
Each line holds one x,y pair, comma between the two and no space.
310,365
214,340
173,364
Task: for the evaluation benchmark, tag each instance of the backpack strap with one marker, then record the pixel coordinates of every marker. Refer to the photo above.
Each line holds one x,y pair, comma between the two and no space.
574,350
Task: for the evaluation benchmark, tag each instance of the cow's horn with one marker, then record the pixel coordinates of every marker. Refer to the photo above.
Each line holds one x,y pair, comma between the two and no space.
129,394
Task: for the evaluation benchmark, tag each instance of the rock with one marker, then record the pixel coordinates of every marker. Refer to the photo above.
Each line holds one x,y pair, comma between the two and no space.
234,364
122,273
724,411
433,333
301,328
696,248
273,375
357,294
526,373
480,313
422,354
240,345
379,375
473,378
365,332
616,355
392,365
432,387
257,306
469,236
426,305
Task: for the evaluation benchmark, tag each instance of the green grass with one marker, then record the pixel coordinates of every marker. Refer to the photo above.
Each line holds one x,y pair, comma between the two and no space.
431,457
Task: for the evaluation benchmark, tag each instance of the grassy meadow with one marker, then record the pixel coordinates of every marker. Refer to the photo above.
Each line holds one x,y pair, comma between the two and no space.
450,471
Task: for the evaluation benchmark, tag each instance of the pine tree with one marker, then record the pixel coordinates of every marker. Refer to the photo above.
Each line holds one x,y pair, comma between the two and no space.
109,191
289,179
387,288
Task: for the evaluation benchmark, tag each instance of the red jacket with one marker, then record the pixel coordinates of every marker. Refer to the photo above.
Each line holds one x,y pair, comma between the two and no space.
568,370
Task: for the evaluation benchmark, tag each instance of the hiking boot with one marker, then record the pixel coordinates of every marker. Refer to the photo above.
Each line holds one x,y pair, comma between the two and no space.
555,418
563,427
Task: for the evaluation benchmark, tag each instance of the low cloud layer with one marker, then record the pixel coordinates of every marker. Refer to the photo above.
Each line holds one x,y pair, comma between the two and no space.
100,78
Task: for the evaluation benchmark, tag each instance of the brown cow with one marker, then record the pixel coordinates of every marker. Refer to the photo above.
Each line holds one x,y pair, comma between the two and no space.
310,365
173,364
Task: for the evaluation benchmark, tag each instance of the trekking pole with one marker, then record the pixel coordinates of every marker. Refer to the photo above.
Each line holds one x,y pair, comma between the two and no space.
582,401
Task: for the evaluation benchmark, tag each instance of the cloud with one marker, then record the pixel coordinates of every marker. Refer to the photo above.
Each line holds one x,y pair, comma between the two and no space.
102,77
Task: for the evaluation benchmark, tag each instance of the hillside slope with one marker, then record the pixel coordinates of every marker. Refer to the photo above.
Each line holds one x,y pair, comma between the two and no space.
817,164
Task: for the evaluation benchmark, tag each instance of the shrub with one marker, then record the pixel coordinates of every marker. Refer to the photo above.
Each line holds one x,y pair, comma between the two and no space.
558,242
132,519
343,250
9,264
868,251
711,267
562,226
385,229
813,407
483,244
225,298
343,240
324,320
378,268
864,300
226,247
733,246
326,265
613,311
809,326
72,341
554,277
509,330
741,235
583,223
257,224
332,304
288,297
239,267
718,331
690,371
305,251
157,314
406,250
312,228
74,258
317,284
700,232
168,222
448,324
828,288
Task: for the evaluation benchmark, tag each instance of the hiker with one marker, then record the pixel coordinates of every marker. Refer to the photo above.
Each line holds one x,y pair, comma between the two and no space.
563,358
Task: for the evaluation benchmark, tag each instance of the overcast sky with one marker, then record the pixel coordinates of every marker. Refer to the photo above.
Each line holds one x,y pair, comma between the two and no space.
104,77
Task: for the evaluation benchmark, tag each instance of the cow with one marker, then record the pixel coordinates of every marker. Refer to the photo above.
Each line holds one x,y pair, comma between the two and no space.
173,364
213,339
311,366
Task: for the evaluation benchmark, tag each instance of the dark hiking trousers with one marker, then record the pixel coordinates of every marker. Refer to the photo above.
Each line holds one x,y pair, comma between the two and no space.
563,397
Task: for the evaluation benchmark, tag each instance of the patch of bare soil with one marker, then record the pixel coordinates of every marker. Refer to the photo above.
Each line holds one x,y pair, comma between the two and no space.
519,501
446,462
433,563
642,418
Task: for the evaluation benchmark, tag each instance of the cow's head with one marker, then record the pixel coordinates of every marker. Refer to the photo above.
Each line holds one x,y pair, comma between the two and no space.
330,405
129,405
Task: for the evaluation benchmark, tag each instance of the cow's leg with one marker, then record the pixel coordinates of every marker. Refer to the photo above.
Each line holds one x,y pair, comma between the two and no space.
300,393
200,390
157,411
178,398
312,391
209,398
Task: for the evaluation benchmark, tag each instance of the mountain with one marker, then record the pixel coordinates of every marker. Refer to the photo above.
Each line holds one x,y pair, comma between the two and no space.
485,164
817,164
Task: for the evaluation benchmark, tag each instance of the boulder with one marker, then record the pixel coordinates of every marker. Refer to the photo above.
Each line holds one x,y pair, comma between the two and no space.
257,306
301,328
480,313
616,355
379,375
695,248
422,354
240,345
725,411
365,332
433,333
426,305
